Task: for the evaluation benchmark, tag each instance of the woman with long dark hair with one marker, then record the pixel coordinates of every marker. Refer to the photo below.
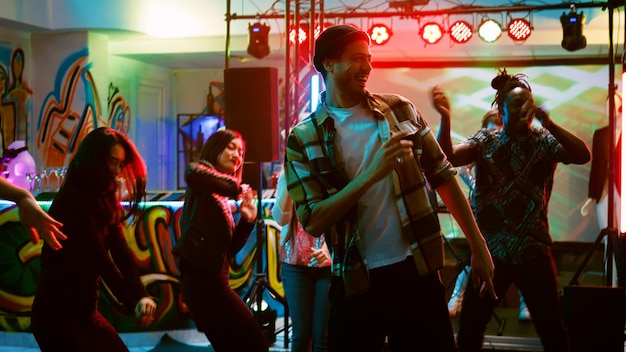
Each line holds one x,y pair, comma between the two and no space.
65,314
210,238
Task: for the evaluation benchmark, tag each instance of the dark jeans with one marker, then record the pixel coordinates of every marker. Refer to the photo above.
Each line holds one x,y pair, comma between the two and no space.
306,290
537,281
219,312
411,311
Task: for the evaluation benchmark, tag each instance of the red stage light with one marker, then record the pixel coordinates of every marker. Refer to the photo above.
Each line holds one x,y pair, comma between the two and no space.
299,34
431,32
489,30
380,34
461,32
519,29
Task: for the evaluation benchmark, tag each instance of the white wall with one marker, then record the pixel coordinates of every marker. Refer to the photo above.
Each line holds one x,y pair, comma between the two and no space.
153,117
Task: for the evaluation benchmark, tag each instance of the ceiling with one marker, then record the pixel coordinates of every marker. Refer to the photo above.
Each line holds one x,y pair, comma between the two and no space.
207,47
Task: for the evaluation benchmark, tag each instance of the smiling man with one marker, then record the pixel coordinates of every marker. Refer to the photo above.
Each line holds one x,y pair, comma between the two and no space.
357,170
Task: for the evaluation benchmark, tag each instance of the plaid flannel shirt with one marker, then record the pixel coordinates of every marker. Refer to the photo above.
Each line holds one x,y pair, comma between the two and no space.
312,174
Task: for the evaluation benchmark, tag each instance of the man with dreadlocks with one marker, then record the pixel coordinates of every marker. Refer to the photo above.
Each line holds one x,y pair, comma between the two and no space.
514,175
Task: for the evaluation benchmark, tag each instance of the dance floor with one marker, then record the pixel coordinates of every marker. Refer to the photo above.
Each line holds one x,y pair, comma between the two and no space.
505,332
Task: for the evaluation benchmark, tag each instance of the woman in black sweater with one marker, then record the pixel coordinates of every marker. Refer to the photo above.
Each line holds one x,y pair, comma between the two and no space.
65,314
210,238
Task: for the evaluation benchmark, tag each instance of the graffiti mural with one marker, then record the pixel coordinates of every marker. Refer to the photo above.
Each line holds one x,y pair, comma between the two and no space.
69,112
151,240
19,94
14,96
119,111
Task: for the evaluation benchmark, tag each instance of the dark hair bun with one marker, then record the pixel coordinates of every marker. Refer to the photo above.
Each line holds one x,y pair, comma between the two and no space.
499,81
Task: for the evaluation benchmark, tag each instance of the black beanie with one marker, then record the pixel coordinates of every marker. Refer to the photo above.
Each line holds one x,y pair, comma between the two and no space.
335,38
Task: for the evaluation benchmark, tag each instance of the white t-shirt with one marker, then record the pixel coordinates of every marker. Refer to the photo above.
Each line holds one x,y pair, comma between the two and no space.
357,140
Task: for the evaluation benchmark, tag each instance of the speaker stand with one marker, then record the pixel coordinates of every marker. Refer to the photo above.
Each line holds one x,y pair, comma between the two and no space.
254,296
612,253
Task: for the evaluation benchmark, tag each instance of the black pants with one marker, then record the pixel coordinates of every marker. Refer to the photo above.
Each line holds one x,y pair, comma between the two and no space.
59,332
537,281
411,311
219,312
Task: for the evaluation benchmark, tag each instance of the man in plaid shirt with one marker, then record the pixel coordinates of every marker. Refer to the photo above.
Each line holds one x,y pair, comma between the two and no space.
359,170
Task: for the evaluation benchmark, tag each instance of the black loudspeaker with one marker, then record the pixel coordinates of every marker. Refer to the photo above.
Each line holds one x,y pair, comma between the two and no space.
251,107
594,316
252,175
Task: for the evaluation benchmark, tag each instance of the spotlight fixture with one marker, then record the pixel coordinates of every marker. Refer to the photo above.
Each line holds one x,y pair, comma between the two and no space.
519,29
258,44
489,30
431,32
572,23
380,34
298,35
461,32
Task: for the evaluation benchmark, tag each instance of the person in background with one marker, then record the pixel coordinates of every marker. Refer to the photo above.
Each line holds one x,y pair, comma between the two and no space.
65,314
514,177
357,170
37,222
598,185
306,276
210,238
491,121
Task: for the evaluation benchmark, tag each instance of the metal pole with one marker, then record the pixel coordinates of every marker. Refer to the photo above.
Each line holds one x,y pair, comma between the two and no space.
612,232
227,49
287,78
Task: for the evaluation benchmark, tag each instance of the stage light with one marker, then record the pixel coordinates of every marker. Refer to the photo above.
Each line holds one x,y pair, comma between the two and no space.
489,30
258,44
461,32
431,32
519,29
572,23
298,34
380,34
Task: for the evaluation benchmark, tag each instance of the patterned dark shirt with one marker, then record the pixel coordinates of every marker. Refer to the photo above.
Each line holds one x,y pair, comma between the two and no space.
313,174
513,186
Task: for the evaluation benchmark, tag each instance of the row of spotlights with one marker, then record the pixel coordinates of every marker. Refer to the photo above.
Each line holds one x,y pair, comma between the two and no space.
460,31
